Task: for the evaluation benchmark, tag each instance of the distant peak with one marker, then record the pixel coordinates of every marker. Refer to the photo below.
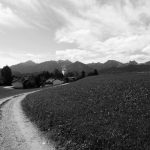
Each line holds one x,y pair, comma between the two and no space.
78,62
109,61
133,62
29,62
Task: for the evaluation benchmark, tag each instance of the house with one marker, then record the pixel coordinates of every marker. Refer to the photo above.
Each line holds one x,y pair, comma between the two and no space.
17,84
49,82
57,82
52,81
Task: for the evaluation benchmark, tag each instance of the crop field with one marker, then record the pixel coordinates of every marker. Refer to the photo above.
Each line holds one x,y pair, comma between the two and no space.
105,112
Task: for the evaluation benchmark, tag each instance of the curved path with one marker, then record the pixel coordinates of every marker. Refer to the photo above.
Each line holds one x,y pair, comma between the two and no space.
16,131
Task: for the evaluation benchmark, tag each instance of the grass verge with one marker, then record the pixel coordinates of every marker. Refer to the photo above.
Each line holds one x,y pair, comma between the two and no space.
108,112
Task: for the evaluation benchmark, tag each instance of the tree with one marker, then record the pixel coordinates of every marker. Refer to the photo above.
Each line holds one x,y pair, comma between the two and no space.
6,75
82,74
30,82
58,74
69,74
95,72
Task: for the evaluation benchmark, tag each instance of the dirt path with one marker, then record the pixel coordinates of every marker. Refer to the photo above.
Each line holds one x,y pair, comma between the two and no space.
16,131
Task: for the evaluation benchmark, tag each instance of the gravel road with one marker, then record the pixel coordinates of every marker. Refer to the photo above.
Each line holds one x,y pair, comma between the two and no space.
16,131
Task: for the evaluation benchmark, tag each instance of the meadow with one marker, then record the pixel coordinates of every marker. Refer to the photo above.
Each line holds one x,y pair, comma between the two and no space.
105,112
4,92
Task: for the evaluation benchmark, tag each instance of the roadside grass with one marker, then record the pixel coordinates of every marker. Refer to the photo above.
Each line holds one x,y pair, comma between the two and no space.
105,112
10,92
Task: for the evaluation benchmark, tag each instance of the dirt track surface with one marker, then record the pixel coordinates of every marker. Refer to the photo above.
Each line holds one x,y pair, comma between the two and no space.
16,131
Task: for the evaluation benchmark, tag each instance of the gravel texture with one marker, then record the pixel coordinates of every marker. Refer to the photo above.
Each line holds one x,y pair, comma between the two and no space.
16,131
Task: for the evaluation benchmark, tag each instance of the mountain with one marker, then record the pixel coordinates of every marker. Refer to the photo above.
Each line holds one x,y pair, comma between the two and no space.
128,68
29,63
25,67
112,64
79,67
106,65
147,63
48,66
132,63
68,66
32,67
64,63
97,66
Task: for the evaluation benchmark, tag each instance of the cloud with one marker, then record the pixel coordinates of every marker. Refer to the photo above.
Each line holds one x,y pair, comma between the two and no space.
36,13
119,48
10,58
8,18
98,29
108,29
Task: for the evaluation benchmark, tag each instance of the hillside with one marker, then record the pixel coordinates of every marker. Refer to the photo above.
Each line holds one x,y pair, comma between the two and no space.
26,67
112,64
108,64
32,67
96,113
97,66
147,63
79,67
128,68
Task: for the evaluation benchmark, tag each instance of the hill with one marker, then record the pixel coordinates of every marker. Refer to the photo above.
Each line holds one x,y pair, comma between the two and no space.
31,67
97,66
26,67
96,113
110,65
79,67
147,63
127,68
106,65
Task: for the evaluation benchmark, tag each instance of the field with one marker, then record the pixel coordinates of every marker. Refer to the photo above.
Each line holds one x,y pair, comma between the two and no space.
4,92
105,112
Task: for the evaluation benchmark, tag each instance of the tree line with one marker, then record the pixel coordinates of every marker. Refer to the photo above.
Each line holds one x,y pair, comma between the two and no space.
37,80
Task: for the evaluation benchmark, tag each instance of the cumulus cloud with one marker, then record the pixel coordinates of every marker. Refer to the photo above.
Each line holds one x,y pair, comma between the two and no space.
116,30
97,29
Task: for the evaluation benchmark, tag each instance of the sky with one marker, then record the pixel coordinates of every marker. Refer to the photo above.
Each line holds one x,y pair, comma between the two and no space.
78,30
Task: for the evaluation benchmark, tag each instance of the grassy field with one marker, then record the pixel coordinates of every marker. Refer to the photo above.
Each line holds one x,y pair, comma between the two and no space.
105,112
4,92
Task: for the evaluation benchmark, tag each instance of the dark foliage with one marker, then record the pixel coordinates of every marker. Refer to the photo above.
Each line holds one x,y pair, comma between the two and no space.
42,77
69,74
30,83
82,74
6,75
58,74
94,73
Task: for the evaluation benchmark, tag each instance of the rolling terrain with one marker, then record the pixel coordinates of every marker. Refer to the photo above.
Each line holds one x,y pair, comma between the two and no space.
101,112
32,67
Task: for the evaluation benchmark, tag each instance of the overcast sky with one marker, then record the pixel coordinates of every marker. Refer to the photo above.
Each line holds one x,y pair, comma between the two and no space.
84,30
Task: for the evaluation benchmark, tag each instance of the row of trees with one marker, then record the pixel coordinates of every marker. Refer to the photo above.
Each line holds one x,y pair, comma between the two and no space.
39,79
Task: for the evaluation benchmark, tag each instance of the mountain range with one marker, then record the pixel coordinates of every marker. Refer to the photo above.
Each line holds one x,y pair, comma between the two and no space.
32,67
